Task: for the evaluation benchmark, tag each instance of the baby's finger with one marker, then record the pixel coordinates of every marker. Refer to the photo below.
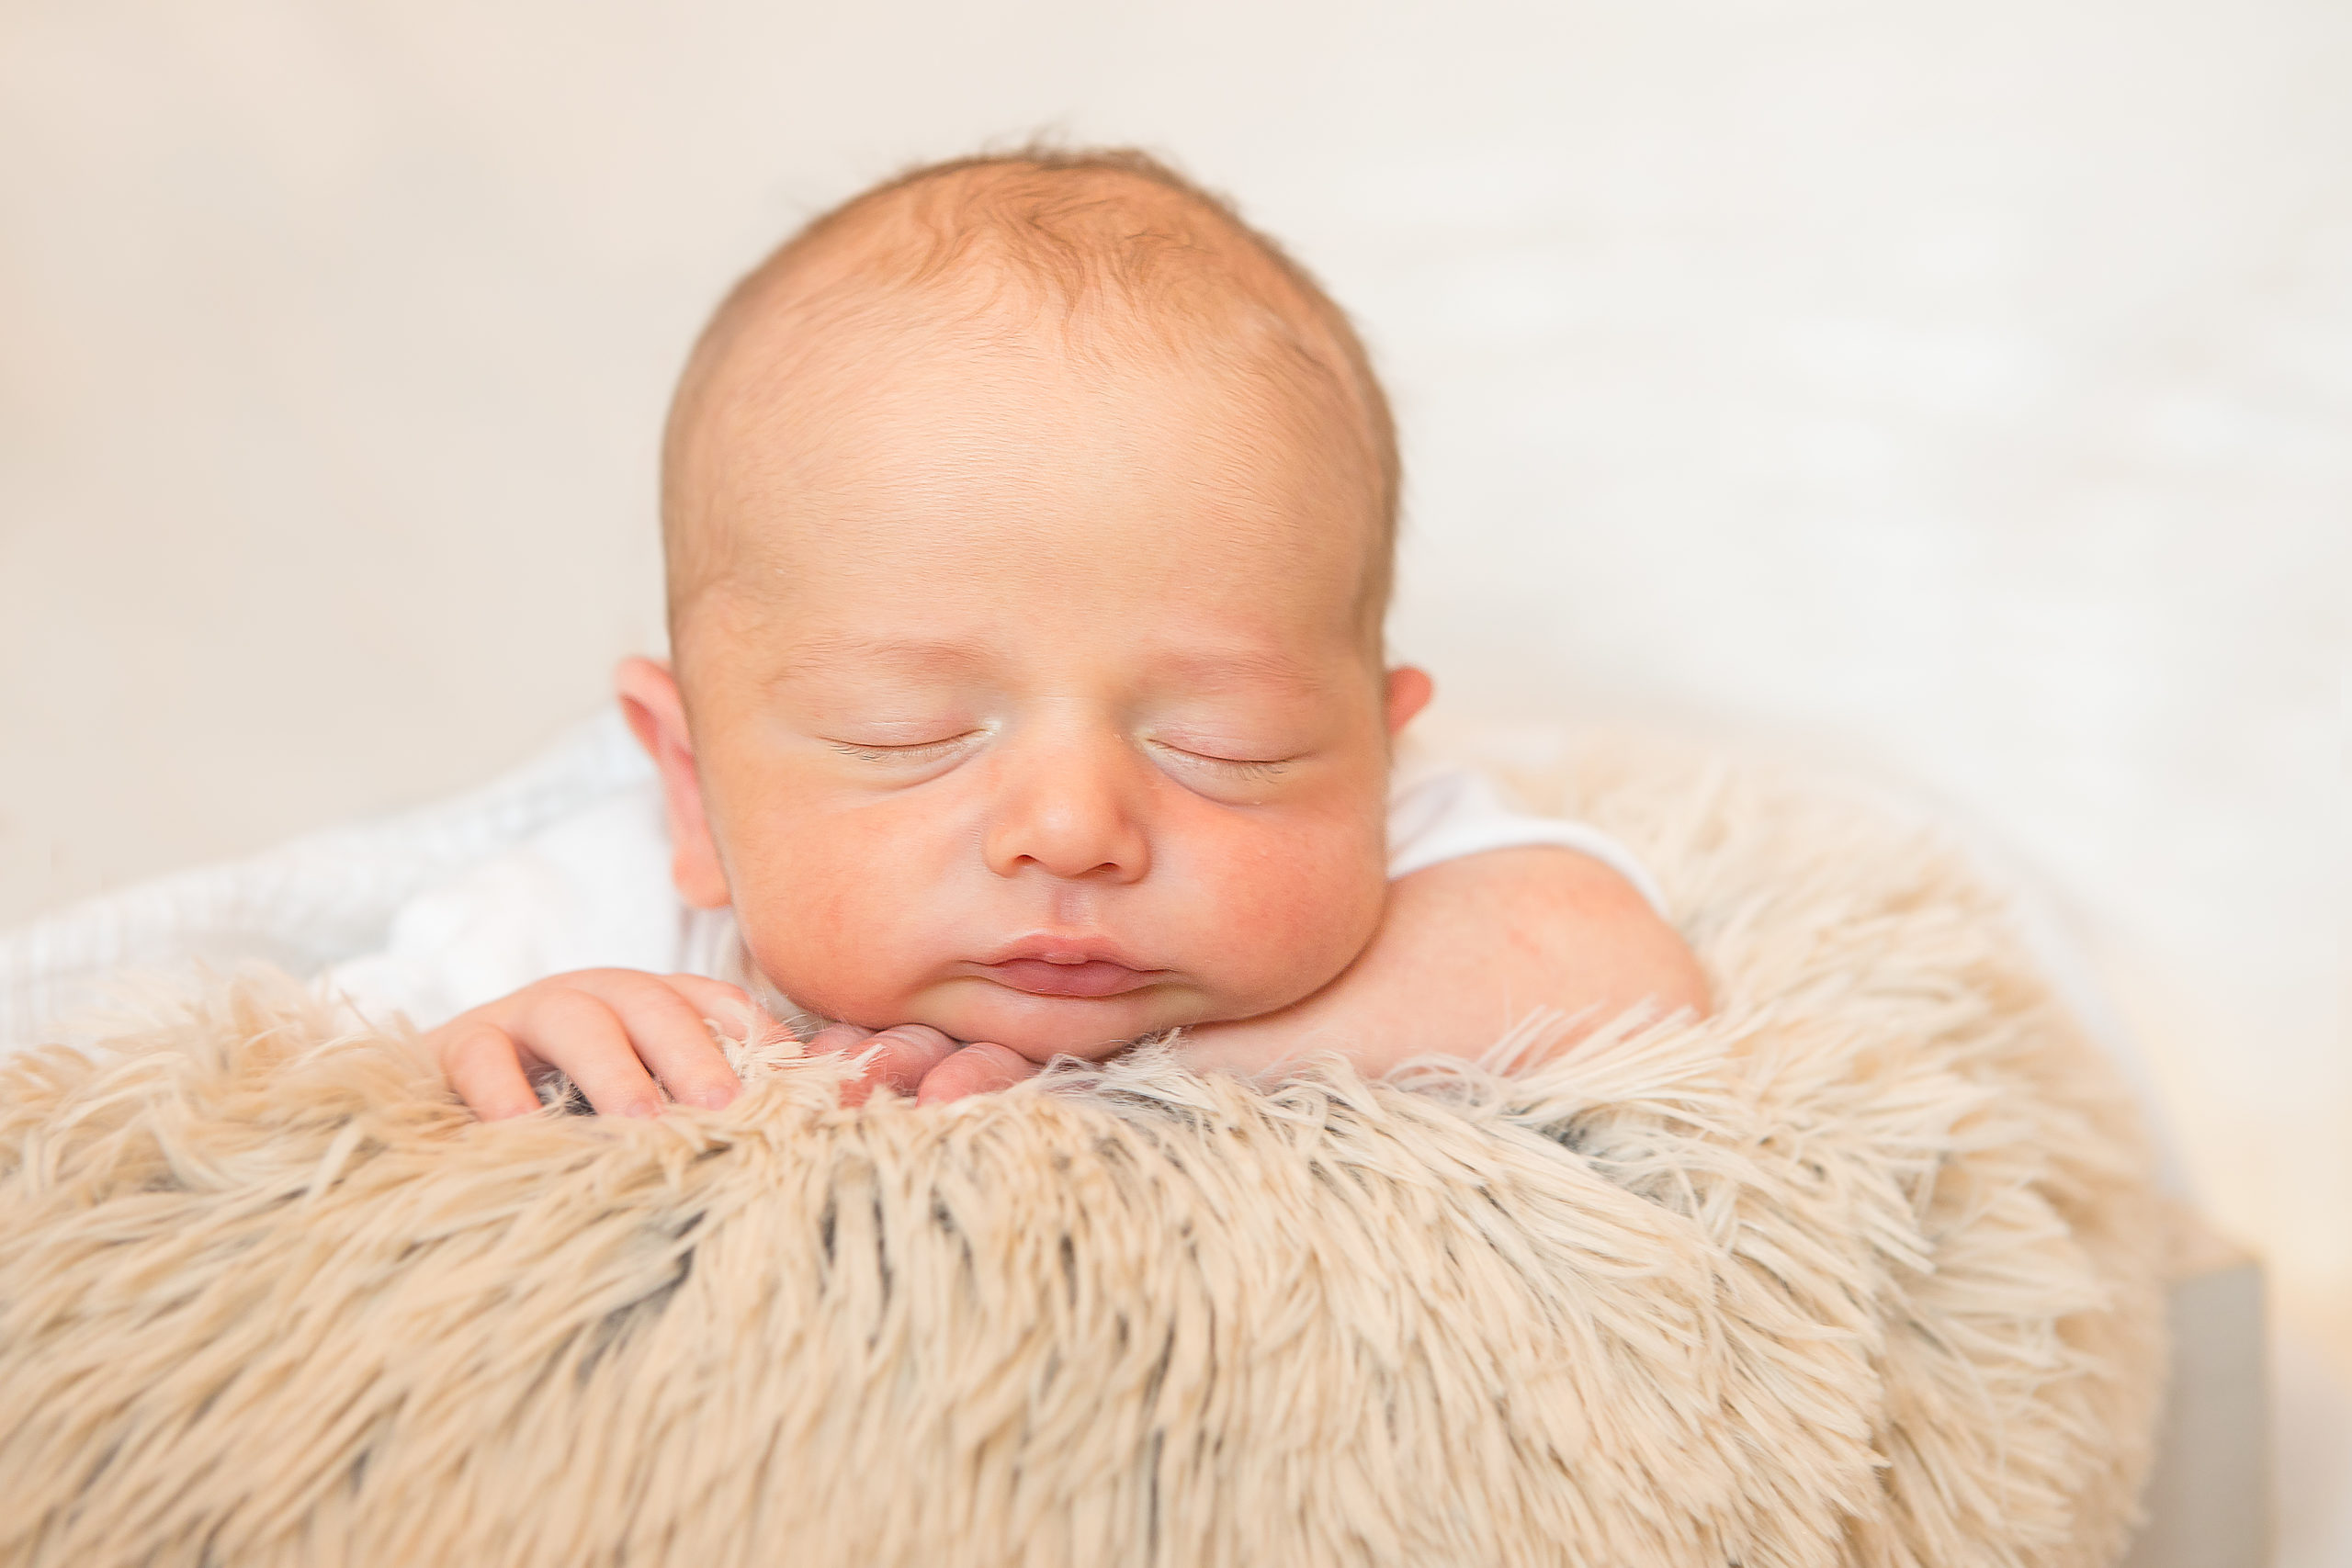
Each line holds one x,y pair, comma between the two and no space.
903,1054
581,1035
731,1007
672,1041
666,1032
483,1066
839,1038
978,1068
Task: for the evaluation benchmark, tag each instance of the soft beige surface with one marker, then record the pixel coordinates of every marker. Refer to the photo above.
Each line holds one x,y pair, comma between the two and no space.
1865,1271
1962,388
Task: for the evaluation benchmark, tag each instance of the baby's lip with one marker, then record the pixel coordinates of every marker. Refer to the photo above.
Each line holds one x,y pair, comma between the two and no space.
1046,965
1094,977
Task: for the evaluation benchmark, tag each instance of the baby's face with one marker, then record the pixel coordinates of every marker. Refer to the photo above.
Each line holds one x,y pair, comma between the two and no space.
1034,701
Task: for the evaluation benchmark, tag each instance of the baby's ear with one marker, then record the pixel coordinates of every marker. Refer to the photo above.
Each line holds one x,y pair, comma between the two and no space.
650,701
1408,692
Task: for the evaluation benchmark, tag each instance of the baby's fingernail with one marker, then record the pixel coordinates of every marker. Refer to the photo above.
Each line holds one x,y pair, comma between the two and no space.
716,1098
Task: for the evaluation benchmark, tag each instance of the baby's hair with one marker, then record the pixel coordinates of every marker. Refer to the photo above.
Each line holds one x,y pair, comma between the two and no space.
1070,223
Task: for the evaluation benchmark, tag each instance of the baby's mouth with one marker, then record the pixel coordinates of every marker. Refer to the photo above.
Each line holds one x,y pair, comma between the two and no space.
1090,977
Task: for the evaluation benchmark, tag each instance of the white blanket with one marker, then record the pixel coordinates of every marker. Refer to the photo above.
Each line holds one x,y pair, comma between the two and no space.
316,901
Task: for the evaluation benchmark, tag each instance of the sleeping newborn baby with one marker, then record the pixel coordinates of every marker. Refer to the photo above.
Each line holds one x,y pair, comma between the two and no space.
1029,525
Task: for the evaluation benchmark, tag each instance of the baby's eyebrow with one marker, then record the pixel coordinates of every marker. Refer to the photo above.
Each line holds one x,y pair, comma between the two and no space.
921,655
1210,670
1226,670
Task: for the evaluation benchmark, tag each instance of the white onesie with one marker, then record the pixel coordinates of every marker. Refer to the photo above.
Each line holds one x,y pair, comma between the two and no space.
592,891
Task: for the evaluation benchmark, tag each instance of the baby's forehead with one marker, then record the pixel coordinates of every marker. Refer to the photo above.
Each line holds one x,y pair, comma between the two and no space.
933,452
970,501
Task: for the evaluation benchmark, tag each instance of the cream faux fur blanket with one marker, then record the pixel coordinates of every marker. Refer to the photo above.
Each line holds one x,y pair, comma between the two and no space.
1860,1271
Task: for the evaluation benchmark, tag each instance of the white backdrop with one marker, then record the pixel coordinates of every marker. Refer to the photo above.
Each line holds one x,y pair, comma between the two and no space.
1960,392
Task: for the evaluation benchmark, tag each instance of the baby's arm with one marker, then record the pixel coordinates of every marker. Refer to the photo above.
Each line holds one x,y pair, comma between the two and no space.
1469,949
1466,951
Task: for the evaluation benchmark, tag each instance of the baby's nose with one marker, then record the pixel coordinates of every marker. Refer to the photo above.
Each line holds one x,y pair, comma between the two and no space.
1071,810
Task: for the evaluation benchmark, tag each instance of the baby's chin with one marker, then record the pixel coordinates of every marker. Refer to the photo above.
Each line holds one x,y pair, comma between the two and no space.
1039,1028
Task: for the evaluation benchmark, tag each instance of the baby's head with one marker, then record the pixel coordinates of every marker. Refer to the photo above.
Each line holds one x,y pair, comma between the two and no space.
1029,526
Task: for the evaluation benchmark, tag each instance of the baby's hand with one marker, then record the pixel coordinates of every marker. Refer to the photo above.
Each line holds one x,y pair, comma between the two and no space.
918,1060
616,1031
619,1032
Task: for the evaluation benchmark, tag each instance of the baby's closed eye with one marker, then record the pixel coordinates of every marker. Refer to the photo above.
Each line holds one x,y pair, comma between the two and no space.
908,752
1238,765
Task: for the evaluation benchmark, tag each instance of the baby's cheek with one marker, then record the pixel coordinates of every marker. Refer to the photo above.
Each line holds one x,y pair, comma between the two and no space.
1290,911
818,913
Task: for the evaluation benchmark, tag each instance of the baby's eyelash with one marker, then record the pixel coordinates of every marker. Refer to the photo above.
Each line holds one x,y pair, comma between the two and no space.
1238,767
897,753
